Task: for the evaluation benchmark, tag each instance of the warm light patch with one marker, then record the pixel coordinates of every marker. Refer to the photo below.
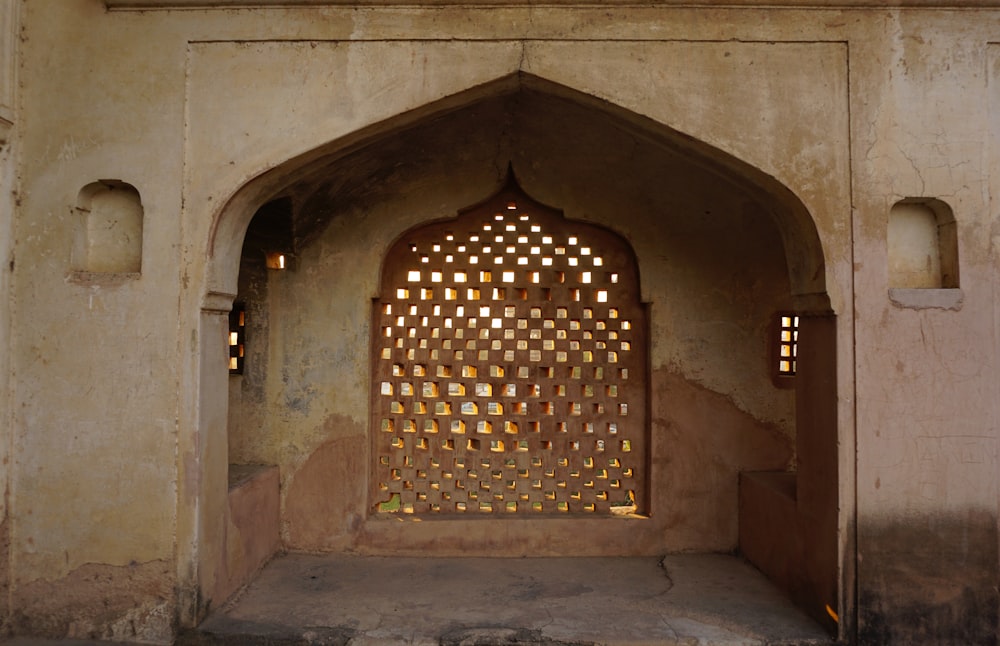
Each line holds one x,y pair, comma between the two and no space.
276,260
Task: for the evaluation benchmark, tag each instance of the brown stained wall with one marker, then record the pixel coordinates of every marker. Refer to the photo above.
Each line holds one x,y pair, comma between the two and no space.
943,592
324,507
252,527
819,475
711,268
125,603
5,583
704,442
788,521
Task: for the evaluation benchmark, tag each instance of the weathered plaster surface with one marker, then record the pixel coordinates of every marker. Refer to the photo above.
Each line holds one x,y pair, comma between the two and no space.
252,528
703,444
325,502
9,26
926,378
114,392
101,351
920,299
126,603
942,592
93,415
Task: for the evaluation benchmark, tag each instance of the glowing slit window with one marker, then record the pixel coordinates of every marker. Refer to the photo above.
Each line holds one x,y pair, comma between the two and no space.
237,338
469,351
787,344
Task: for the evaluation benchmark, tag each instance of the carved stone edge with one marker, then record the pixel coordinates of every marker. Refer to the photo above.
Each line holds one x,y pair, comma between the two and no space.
217,303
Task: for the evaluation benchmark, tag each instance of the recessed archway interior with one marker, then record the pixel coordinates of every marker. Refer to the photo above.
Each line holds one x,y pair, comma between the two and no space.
718,253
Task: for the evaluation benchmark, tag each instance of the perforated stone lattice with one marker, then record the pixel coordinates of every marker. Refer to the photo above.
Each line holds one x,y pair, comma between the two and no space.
510,367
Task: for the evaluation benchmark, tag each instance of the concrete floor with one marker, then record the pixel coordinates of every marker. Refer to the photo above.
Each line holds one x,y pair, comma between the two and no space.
338,599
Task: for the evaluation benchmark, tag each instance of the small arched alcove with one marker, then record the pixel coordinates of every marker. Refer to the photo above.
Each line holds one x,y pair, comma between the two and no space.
922,245
108,229
720,249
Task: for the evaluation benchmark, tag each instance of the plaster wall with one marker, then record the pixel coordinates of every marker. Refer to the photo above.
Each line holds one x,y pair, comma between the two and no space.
115,394
9,25
926,376
94,406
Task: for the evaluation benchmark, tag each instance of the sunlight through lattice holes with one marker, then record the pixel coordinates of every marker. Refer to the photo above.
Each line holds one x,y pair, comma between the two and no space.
510,368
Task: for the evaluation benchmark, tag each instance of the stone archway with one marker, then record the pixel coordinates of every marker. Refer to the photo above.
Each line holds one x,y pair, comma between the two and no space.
721,215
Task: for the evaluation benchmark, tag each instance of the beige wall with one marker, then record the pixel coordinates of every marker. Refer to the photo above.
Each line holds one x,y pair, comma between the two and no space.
119,410
95,356
926,378
9,24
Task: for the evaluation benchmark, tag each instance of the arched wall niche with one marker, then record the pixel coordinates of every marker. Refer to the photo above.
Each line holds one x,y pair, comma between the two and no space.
721,246
109,228
922,245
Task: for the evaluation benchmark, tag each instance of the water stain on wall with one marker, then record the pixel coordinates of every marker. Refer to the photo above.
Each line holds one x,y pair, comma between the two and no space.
701,441
325,499
97,601
928,579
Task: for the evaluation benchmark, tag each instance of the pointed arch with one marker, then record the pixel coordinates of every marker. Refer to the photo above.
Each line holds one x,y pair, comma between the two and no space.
353,169
802,246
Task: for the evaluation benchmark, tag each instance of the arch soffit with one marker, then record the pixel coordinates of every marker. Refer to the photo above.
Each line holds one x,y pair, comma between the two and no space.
802,246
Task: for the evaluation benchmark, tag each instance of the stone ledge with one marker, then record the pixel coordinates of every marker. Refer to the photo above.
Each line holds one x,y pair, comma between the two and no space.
923,299
102,278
